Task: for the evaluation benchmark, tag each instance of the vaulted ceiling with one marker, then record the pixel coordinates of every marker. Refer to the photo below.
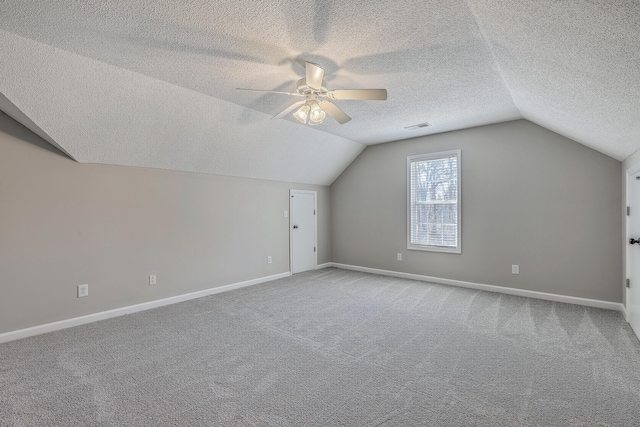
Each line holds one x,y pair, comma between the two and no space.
153,83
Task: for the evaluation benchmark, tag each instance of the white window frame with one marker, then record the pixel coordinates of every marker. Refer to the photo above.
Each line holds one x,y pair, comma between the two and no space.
434,248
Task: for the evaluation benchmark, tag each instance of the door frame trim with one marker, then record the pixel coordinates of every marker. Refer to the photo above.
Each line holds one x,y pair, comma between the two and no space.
633,170
315,221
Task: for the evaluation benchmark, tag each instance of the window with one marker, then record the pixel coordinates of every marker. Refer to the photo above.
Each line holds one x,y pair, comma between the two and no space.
433,220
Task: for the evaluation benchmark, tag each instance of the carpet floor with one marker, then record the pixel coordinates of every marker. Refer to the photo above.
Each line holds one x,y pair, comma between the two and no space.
332,348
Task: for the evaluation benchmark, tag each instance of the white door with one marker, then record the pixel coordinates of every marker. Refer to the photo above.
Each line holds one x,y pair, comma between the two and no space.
303,230
633,252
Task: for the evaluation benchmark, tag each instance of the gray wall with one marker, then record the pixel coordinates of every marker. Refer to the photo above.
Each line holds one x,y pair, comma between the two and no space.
529,197
63,224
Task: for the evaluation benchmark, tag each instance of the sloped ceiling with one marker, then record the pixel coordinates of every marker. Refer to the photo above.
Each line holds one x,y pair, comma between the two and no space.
152,83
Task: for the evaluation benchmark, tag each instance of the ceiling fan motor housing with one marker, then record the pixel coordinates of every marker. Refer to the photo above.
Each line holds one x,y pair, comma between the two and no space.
303,89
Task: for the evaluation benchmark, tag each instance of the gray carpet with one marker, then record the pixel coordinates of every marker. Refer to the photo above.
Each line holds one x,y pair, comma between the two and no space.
331,348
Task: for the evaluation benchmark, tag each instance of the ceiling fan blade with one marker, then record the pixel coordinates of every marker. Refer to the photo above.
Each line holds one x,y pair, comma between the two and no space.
271,91
289,109
314,76
332,110
359,94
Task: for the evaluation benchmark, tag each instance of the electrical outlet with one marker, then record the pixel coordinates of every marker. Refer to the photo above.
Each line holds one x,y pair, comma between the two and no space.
515,269
399,256
83,291
152,279
269,259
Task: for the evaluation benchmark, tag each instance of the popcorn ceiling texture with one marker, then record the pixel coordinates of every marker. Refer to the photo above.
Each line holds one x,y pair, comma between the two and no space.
153,83
105,114
571,66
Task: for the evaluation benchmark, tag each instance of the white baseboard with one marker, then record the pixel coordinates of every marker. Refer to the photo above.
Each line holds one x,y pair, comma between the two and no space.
491,288
76,321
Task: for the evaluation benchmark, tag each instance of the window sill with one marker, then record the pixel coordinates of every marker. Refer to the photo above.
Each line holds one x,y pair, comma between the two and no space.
442,249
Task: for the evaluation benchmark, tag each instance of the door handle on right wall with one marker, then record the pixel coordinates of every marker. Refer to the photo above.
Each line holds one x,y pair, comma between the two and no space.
632,241
295,226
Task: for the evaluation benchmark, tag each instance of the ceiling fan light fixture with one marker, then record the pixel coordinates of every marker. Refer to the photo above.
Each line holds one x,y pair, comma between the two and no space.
302,113
316,114
316,104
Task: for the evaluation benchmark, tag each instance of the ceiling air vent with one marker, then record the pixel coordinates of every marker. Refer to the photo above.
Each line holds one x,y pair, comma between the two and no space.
418,126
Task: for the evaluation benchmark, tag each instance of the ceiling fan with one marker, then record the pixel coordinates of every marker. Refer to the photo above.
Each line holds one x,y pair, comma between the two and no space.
317,102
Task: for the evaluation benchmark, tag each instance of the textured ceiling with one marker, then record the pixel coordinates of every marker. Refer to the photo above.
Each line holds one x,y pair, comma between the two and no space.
152,83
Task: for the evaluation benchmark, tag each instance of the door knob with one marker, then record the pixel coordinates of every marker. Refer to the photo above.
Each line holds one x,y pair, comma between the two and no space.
632,241
295,226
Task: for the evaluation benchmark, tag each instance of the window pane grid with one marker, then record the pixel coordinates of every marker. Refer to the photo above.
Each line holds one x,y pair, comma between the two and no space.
434,201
